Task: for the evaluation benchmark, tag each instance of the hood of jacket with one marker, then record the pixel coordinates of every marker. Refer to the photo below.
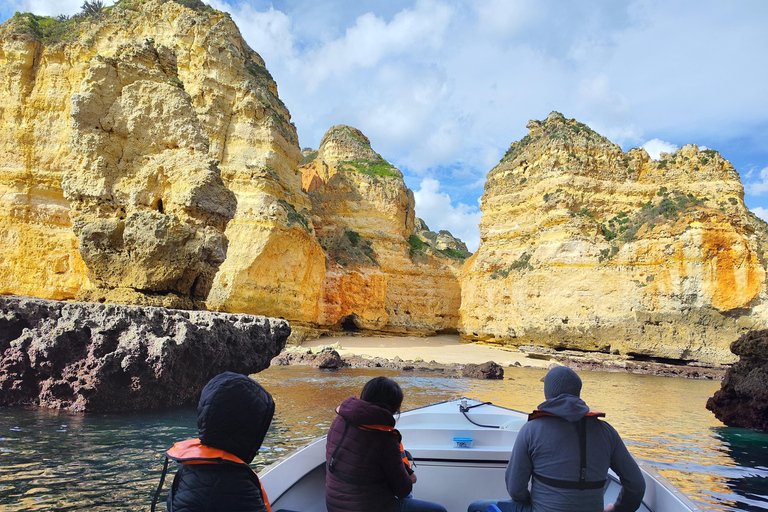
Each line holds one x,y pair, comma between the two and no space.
569,407
358,412
234,414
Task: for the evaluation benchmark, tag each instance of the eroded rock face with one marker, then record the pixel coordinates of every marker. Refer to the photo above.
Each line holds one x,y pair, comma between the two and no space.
742,400
144,112
100,358
147,201
587,247
363,216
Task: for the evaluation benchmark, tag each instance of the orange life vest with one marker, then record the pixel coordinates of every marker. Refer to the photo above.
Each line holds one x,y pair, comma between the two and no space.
192,451
538,413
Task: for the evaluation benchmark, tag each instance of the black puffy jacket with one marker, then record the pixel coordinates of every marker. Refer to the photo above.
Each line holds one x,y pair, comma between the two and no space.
233,415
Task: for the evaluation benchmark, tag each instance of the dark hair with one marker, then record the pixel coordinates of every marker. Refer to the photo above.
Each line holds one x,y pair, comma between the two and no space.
383,392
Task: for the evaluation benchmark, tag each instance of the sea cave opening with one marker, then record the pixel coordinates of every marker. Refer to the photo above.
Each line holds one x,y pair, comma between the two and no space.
349,323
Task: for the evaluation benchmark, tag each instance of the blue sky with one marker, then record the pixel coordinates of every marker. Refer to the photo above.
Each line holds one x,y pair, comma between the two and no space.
443,87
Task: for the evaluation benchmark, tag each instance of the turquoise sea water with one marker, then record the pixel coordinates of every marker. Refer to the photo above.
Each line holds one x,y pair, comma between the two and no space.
51,460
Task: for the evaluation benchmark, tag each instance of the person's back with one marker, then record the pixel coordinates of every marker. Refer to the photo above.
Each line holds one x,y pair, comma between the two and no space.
365,465
549,450
366,472
561,437
233,417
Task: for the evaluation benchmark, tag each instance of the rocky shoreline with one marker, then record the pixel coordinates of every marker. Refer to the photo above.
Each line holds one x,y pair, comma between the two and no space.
328,358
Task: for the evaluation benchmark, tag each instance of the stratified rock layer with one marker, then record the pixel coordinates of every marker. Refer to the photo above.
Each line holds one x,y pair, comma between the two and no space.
363,216
742,400
584,246
98,358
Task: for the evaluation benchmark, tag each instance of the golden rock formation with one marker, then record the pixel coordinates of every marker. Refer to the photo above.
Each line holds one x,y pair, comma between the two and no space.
180,107
364,218
584,246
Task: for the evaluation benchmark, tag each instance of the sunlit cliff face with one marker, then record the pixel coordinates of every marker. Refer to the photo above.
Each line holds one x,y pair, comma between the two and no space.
363,215
585,246
146,158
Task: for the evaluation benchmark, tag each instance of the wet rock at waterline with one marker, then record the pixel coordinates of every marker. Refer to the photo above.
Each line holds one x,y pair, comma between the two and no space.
489,370
105,358
742,400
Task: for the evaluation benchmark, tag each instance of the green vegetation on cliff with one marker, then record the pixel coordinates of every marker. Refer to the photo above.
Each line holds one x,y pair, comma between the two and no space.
65,29
555,127
349,248
380,168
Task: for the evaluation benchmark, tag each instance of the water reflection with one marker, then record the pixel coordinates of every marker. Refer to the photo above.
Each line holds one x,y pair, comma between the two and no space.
53,460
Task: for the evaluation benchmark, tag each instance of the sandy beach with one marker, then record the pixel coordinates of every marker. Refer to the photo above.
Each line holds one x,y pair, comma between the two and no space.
443,349
446,350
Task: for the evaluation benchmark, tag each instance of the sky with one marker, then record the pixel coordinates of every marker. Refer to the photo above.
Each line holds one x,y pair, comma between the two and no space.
443,87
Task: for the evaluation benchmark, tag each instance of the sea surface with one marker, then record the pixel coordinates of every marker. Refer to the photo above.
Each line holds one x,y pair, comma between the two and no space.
57,461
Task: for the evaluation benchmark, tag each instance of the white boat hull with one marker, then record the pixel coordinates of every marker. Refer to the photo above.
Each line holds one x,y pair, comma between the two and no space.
451,469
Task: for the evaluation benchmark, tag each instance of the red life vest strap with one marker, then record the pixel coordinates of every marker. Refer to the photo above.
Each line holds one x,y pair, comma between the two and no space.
538,413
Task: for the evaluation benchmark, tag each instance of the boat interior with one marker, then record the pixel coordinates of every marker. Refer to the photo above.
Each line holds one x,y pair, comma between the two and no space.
458,458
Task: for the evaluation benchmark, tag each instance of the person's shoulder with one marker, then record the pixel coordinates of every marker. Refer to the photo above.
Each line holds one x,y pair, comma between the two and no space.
608,428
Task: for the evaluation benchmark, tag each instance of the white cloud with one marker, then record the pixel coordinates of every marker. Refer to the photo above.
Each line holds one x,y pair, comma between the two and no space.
372,40
761,212
267,32
437,210
505,17
759,187
655,147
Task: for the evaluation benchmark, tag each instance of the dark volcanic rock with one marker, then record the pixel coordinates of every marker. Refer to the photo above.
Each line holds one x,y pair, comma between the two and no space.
96,357
489,370
742,400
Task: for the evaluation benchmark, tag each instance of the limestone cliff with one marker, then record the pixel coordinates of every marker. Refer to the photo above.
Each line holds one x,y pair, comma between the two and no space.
127,140
364,218
586,246
442,243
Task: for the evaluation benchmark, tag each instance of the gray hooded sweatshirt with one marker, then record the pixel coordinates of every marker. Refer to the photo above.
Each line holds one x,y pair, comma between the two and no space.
549,446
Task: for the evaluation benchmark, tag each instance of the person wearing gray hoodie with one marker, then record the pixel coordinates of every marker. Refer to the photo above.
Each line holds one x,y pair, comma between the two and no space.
565,451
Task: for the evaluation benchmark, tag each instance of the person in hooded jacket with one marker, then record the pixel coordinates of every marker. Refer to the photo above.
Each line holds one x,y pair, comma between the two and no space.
548,453
365,466
233,416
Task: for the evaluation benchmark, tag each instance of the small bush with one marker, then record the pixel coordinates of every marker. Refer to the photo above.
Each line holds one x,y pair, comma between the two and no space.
353,237
417,245
92,8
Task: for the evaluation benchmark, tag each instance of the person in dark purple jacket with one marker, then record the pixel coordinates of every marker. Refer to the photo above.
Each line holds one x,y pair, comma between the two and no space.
365,470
